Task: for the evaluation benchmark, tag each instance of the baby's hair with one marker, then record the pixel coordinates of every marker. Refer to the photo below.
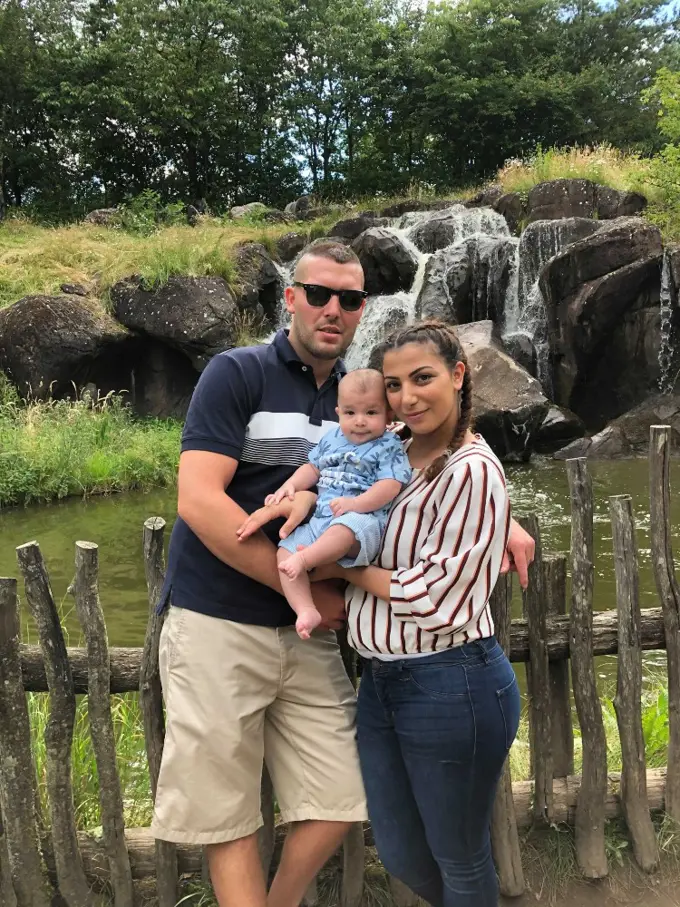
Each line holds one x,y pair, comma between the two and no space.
363,380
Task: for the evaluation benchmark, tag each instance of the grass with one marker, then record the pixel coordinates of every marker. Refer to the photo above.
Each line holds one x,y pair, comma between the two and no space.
60,448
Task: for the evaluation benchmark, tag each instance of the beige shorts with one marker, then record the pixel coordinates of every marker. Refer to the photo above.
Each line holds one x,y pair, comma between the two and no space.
235,694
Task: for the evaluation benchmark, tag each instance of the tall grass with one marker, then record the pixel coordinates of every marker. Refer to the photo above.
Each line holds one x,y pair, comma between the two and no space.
61,448
602,164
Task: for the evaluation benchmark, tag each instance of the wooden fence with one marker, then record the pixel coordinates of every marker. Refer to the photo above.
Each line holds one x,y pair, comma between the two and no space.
41,855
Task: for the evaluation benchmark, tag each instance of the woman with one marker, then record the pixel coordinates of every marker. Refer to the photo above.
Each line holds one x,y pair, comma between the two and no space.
438,700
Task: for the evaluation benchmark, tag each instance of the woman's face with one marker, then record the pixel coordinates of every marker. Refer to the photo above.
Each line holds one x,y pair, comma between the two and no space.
421,388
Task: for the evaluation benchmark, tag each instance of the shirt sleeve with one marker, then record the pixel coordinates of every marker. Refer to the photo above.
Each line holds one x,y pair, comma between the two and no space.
393,462
221,407
320,449
460,560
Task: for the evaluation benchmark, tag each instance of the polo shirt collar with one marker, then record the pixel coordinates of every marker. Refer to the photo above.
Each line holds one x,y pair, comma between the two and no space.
288,355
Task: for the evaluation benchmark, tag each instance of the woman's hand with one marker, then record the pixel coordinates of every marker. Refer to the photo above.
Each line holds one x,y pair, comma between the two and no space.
519,553
294,512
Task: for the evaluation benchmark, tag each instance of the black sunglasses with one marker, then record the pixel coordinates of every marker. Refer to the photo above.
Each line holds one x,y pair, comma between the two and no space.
318,296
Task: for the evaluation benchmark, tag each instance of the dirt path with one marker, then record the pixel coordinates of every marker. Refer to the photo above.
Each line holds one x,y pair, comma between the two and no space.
608,894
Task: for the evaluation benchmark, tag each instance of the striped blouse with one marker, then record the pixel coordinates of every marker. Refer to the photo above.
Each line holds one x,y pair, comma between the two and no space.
444,543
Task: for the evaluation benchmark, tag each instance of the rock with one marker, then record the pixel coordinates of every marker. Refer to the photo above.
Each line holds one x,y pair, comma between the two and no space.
611,203
74,289
388,264
511,206
520,346
602,297
485,198
250,210
351,227
398,209
508,404
48,342
560,427
441,229
102,217
562,198
259,284
272,216
195,315
628,435
290,245
445,293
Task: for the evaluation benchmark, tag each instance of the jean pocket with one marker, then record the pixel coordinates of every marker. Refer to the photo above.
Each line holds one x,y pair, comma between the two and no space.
441,681
509,704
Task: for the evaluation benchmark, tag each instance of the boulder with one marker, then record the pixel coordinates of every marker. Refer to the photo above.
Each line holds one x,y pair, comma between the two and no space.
259,283
560,427
195,315
485,197
290,245
611,203
508,404
562,198
74,289
442,228
511,206
628,435
445,293
48,342
101,217
389,265
398,209
352,227
252,209
520,346
602,299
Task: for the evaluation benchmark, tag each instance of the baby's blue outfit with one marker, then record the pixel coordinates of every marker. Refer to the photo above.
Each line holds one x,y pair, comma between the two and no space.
346,471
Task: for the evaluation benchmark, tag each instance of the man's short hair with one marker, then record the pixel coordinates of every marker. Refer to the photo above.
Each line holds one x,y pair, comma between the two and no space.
331,250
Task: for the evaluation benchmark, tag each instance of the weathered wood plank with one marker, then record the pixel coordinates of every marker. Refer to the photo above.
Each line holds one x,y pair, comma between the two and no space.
533,599
504,836
353,863
126,661
72,883
17,777
628,699
562,730
91,617
7,896
402,894
669,595
151,699
590,849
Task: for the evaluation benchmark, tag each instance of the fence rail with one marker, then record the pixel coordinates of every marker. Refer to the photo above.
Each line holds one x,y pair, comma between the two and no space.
549,639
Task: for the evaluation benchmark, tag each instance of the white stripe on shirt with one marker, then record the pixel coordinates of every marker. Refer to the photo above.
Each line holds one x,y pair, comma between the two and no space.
444,543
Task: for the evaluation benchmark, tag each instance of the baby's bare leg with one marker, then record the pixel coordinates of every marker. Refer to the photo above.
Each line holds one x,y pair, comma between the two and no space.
334,543
298,592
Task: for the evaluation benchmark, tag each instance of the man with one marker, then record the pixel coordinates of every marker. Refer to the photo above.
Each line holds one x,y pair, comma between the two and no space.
238,682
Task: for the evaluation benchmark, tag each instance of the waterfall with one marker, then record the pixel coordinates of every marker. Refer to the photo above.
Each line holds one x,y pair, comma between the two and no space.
666,346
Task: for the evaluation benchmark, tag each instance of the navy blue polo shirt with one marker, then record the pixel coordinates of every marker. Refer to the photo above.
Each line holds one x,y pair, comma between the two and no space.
261,406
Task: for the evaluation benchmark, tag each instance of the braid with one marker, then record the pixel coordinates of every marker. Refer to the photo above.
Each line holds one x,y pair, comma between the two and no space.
445,340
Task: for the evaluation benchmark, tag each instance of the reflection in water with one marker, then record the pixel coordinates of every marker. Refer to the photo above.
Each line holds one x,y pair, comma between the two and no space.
115,524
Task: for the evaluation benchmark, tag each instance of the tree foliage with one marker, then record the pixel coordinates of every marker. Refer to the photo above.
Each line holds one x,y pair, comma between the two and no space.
238,100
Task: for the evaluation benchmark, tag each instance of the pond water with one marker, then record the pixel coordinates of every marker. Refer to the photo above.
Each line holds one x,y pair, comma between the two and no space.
115,524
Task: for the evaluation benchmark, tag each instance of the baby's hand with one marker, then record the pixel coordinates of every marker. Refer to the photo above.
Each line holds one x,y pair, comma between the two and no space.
341,505
285,491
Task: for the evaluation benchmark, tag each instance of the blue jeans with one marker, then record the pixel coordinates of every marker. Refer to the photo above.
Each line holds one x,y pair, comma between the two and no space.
433,735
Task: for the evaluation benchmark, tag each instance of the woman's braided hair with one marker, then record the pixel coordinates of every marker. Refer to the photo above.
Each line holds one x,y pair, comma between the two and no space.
445,340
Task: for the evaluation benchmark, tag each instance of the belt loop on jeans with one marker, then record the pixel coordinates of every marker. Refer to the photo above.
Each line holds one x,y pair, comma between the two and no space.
482,648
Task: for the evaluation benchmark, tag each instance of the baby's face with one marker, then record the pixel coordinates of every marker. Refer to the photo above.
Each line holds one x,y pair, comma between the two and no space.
362,416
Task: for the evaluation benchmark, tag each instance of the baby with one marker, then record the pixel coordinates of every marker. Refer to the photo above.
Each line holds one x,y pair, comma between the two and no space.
359,468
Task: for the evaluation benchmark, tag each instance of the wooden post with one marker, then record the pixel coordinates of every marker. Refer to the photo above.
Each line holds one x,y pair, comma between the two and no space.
504,836
539,681
669,595
562,731
628,699
91,619
151,700
7,896
17,792
353,850
589,822
402,894
72,883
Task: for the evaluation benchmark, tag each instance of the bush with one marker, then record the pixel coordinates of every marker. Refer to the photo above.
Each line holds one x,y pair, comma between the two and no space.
145,213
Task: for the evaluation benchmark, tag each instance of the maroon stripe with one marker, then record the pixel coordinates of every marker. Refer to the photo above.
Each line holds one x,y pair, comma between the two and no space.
359,637
419,522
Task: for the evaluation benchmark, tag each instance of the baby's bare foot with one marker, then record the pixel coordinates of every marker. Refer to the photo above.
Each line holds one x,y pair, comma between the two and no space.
293,566
308,620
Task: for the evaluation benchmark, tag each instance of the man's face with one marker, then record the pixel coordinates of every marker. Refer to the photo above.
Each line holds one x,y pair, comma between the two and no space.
324,333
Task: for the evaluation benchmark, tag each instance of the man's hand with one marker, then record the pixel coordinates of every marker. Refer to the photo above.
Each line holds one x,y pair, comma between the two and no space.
285,491
293,511
330,602
341,505
519,553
